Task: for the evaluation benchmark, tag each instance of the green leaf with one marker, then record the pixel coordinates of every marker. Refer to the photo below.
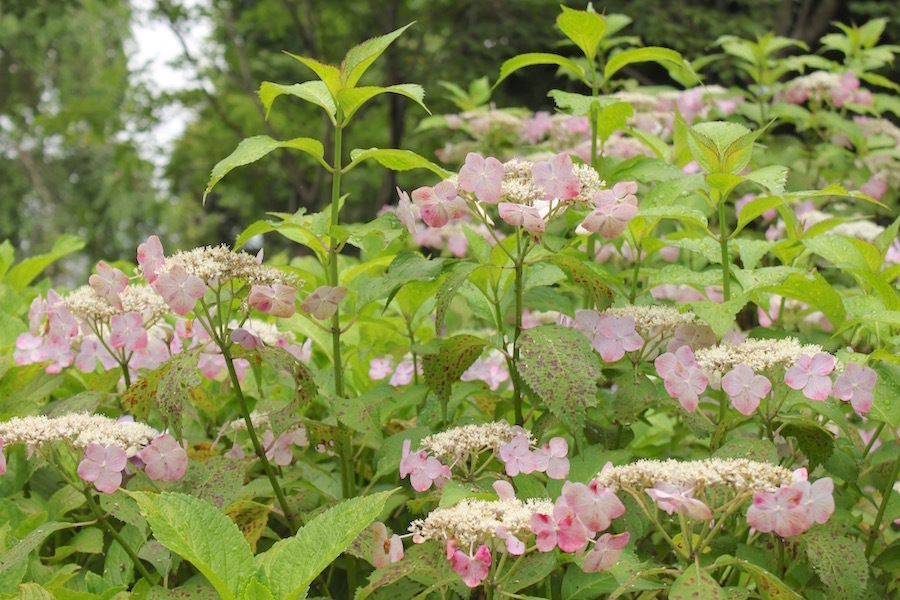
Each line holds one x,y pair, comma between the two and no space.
580,105
773,178
582,275
585,28
329,74
612,118
14,562
562,369
838,561
351,100
361,413
253,589
756,208
886,401
254,148
529,59
457,276
33,591
175,384
637,55
814,290
770,586
292,564
688,216
838,250
396,160
719,316
694,584
314,92
405,268
751,251
534,568
196,531
22,274
360,57
736,156
816,443
753,449
443,369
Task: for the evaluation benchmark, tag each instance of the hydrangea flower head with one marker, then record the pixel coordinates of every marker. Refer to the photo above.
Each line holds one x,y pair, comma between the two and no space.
103,466
482,176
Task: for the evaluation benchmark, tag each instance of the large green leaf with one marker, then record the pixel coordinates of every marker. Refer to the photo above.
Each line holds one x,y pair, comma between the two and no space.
562,369
254,148
457,276
396,160
814,290
352,99
886,401
315,92
530,59
14,562
585,28
773,178
26,271
405,268
636,55
838,561
360,57
196,531
292,564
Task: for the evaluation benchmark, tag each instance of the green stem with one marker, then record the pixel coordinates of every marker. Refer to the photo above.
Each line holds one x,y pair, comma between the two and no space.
873,440
101,518
254,438
723,241
333,251
520,306
885,496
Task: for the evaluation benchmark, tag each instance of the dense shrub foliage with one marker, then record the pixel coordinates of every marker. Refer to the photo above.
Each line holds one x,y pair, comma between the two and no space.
644,346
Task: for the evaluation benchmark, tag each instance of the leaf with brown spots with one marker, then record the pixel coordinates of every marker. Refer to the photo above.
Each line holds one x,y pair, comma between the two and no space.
584,276
443,369
141,396
251,518
458,275
695,584
560,367
838,561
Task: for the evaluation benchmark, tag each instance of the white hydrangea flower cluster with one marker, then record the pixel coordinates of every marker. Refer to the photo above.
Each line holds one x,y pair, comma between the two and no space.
472,522
79,430
736,474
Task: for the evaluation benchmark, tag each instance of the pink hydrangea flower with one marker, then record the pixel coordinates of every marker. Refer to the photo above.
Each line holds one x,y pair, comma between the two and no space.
472,569
164,459
551,458
423,470
61,325
127,331
874,187
563,529
606,552
406,211
680,499
279,450
556,177
696,336
856,385
439,205
90,352
151,258
782,511
595,506
482,176
504,489
519,215
380,368
617,336
682,378
818,499
323,302
404,372
276,300
609,218
745,389
246,338
103,465
28,349
811,374
109,282
179,289
385,550
517,456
